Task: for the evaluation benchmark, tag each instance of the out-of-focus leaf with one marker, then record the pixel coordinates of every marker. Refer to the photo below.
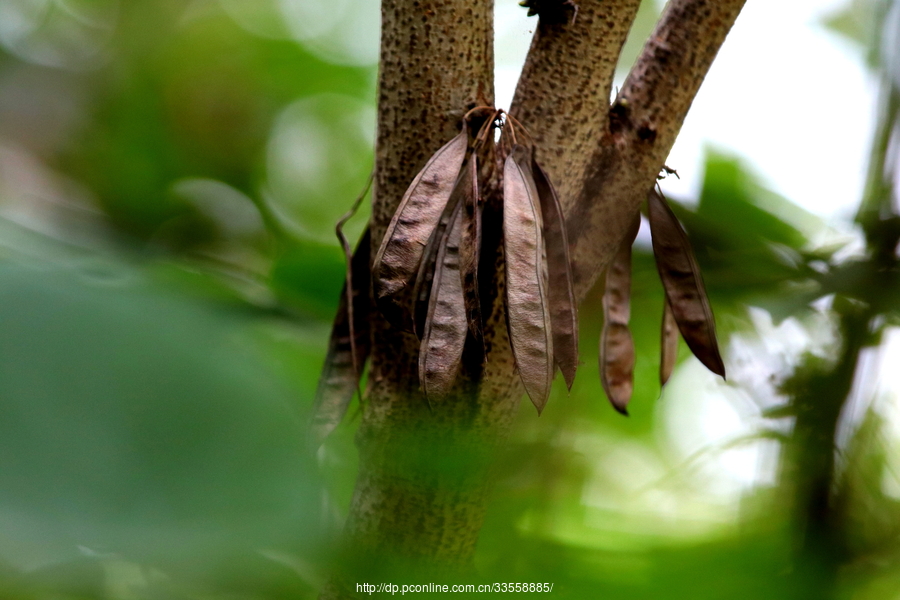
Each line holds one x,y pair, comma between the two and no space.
308,276
726,198
187,93
139,422
318,158
850,21
866,282
730,227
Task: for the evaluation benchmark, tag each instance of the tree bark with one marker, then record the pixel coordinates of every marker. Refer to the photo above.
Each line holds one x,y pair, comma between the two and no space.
424,474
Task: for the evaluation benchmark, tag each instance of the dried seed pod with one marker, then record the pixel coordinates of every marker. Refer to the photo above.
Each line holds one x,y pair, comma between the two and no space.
444,334
429,261
668,344
340,374
563,309
398,258
527,302
422,288
616,344
683,284
470,245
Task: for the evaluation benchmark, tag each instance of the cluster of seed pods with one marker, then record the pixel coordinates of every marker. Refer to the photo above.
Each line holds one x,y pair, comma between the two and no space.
424,278
432,246
686,307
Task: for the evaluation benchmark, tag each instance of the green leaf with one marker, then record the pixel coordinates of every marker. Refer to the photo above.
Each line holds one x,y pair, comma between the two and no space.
143,422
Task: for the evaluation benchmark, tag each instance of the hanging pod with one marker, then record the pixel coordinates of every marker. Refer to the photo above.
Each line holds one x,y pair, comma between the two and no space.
429,257
398,258
343,367
563,309
668,354
683,284
444,329
527,302
470,245
616,344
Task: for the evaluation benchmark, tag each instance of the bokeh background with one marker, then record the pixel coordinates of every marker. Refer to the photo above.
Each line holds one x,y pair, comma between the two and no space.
170,175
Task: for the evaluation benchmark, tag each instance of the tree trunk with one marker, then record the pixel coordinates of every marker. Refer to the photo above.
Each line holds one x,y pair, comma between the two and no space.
424,473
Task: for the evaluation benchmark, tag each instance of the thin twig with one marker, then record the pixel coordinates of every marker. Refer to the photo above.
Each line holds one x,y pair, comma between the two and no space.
348,278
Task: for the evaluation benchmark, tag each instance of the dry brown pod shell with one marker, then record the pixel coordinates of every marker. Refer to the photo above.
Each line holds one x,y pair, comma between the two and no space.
616,345
429,260
563,308
470,245
397,260
668,343
527,302
422,288
340,375
445,326
681,279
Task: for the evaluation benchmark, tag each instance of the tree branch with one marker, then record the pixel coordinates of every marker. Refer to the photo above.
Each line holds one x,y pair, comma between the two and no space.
643,124
563,93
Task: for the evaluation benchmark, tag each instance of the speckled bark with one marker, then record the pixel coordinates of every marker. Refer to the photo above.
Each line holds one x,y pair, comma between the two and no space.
563,92
424,474
643,123
419,496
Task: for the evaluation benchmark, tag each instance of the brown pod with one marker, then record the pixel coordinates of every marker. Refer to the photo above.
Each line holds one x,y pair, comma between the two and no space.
527,302
444,333
563,309
429,261
422,288
681,279
616,344
398,258
668,344
341,372
470,245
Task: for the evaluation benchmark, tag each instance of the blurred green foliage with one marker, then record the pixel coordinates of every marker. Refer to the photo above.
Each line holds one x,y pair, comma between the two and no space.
170,175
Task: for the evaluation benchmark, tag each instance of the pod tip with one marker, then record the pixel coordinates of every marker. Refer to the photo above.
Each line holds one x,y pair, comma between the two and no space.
621,409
